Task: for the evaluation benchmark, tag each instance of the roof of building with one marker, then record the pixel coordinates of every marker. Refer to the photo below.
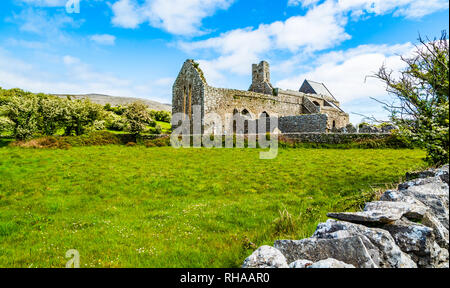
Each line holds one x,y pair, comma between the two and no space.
313,87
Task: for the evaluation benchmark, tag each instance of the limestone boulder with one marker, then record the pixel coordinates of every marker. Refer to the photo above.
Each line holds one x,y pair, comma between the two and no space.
330,263
435,196
440,232
431,192
383,212
408,210
265,257
302,263
417,240
349,250
366,216
441,173
381,245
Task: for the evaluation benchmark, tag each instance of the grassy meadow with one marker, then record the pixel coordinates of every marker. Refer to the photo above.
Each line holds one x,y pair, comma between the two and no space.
163,207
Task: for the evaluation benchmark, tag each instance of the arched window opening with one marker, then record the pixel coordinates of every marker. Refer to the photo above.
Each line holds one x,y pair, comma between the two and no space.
235,112
246,117
190,102
184,102
316,103
265,117
334,124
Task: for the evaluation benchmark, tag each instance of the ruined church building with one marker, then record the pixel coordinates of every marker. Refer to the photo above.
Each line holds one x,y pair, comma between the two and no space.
311,109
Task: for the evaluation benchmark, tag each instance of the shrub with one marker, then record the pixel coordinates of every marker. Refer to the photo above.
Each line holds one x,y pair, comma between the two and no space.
93,139
48,142
53,114
130,144
162,116
23,113
6,125
81,114
137,117
159,142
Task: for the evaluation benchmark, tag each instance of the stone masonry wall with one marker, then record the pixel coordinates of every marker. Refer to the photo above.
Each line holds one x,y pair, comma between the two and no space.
332,138
407,228
190,88
303,123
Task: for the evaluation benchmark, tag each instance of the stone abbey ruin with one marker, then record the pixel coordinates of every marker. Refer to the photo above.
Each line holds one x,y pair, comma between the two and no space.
311,109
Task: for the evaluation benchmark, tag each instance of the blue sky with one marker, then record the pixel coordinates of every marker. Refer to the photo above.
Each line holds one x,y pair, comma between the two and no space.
136,47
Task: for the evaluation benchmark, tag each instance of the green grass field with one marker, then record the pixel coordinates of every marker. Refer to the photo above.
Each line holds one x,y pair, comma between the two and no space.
164,207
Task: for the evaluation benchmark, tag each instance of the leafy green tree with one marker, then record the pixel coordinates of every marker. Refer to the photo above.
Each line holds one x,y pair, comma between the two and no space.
53,112
81,114
23,112
162,116
421,106
6,125
137,117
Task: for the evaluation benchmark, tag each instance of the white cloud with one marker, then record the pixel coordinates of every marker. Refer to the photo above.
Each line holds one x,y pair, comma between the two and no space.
45,3
407,8
319,29
69,60
304,3
76,77
103,39
26,44
346,73
127,14
49,26
180,17
322,27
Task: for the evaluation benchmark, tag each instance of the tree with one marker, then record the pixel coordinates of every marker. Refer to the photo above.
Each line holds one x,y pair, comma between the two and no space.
137,117
23,113
421,105
80,115
53,113
162,116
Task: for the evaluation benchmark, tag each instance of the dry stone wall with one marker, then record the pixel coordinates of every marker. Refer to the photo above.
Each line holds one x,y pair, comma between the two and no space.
407,228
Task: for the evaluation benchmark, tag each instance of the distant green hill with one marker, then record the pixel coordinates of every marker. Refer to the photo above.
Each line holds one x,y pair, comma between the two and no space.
115,101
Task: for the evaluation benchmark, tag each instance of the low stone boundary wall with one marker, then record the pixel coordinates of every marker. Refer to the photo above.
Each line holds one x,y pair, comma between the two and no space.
332,138
407,228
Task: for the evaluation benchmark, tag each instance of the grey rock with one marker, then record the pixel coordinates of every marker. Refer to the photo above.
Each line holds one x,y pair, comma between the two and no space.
430,192
265,257
367,216
408,210
441,173
417,240
382,247
330,263
388,128
440,232
397,196
435,196
302,263
350,128
443,257
369,129
350,250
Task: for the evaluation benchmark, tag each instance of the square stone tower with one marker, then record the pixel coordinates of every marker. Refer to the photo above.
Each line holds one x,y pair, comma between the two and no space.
261,78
